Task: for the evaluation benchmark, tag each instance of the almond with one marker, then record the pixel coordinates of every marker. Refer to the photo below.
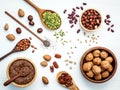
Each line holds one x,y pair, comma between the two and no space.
57,55
44,63
47,57
45,80
21,13
6,27
10,37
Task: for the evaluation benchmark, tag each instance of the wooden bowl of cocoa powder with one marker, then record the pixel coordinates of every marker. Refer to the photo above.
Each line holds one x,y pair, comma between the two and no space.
90,20
18,64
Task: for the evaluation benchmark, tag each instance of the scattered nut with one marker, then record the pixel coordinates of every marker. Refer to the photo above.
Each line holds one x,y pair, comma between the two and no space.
44,63
47,57
18,30
6,27
45,80
10,37
21,13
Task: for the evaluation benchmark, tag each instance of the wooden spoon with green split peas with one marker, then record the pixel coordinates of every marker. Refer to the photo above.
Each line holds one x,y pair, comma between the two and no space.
24,71
22,45
64,76
40,11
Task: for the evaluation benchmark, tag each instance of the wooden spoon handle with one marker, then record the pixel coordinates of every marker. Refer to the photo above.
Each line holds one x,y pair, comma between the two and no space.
74,87
11,80
6,55
34,6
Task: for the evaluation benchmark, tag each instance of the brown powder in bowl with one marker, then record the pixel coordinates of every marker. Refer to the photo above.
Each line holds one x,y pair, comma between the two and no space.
19,64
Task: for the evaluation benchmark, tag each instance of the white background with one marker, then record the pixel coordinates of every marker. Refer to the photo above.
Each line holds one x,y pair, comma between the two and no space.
107,39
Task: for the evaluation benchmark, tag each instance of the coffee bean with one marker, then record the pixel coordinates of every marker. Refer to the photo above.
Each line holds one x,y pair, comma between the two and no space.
31,23
30,17
39,30
18,30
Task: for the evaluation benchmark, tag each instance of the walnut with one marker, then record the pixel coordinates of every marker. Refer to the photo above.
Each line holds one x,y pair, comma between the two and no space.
104,54
96,53
89,57
97,61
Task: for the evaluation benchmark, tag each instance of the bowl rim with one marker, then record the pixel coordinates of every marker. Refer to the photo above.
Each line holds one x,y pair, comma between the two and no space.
86,28
106,79
24,85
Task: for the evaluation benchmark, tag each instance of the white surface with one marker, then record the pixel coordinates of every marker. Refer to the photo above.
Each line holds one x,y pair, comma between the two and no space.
107,39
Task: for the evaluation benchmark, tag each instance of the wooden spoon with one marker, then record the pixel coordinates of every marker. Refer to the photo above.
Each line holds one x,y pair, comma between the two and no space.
22,73
46,43
73,86
40,12
22,45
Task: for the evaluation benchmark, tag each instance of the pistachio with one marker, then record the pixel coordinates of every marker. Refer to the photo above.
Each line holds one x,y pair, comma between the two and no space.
44,63
21,13
10,37
6,27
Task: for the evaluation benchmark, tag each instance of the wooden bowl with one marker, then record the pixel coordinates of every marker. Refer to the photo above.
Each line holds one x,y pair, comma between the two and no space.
10,70
92,78
81,23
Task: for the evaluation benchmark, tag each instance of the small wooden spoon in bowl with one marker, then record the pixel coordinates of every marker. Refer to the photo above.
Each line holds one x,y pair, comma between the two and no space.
66,80
22,73
41,12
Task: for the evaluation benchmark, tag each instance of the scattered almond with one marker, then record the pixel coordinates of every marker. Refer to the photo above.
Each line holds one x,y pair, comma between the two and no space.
47,57
10,37
45,80
21,13
57,55
44,63
6,27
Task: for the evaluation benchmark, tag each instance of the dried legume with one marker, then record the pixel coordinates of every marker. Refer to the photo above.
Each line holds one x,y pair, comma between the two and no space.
52,20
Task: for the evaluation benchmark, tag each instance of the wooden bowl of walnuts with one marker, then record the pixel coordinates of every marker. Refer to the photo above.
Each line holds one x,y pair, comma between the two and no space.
98,64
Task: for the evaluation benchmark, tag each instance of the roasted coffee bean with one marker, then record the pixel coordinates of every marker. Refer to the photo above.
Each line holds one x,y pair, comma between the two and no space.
30,17
18,30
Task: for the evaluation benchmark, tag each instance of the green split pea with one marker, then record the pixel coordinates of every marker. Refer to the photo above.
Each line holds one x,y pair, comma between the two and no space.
52,20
